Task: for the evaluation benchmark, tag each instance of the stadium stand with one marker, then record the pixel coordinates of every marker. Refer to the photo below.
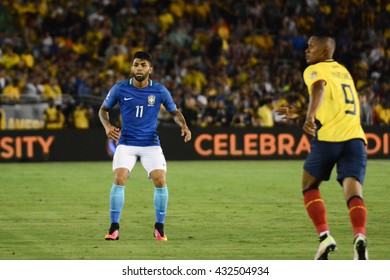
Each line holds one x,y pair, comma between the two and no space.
221,60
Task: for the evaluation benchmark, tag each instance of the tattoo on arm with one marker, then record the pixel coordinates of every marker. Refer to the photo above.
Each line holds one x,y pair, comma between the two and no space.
104,116
178,118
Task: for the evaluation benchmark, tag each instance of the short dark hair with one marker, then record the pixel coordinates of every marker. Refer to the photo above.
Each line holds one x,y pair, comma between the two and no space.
268,100
323,34
143,55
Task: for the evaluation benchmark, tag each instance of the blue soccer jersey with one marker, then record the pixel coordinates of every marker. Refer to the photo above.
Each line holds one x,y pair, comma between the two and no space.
139,109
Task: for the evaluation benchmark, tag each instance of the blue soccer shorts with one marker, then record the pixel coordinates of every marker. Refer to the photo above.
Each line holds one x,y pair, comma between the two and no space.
350,157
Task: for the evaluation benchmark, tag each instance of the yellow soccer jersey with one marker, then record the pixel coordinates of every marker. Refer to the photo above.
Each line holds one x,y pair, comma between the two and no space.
339,113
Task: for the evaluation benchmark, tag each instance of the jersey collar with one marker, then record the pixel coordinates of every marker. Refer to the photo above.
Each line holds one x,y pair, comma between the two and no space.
131,82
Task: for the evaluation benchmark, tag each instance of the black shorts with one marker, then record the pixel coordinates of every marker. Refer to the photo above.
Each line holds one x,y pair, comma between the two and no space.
350,157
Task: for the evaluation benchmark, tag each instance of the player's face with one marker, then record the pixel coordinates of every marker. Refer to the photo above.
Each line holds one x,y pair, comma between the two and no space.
141,69
315,51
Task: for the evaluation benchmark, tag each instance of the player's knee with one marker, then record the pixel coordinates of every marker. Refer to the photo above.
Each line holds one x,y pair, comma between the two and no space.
158,177
120,179
159,182
120,176
309,182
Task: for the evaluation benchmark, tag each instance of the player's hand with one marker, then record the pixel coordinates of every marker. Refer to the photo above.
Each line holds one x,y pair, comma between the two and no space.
113,132
186,133
310,127
288,112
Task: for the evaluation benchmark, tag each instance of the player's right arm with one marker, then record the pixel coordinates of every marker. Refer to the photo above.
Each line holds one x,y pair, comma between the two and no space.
290,112
112,132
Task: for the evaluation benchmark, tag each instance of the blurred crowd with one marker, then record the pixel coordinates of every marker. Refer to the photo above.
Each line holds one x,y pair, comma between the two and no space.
226,63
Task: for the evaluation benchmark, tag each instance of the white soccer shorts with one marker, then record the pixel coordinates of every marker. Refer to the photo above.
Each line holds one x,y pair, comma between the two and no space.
151,158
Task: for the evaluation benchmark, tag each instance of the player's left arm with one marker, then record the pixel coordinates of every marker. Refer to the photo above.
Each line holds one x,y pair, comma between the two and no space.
316,97
180,121
177,116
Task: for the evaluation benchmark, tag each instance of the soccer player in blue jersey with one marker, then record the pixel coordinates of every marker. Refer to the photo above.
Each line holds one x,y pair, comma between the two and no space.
333,119
140,100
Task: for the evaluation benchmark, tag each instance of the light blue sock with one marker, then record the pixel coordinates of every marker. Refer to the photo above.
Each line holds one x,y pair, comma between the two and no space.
161,203
117,199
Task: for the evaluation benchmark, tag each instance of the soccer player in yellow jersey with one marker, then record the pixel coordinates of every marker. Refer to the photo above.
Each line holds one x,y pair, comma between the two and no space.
333,120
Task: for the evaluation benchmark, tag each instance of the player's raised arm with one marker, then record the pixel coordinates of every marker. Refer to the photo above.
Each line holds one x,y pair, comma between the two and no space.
180,120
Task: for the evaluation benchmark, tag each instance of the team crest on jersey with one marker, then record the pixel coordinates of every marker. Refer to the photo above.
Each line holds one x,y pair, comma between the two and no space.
151,100
313,75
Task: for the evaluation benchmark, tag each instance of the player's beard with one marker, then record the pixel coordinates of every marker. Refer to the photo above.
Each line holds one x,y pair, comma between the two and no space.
141,78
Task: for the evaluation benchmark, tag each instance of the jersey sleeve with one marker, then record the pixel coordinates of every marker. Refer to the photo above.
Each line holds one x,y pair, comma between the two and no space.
112,97
167,100
313,74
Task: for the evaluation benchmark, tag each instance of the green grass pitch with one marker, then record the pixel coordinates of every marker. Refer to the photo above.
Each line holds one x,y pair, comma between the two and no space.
218,210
